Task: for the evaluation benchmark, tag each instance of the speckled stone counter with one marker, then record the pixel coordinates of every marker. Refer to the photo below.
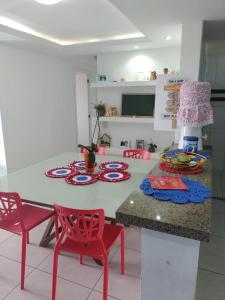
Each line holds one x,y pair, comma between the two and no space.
187,220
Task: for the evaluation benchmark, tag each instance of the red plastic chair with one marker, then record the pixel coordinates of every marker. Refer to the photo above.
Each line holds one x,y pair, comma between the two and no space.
20,218
138,154
84,232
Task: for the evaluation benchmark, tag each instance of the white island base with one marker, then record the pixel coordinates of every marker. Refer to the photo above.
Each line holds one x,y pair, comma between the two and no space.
169,266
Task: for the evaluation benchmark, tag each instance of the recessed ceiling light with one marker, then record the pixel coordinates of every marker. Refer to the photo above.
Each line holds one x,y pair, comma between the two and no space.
136,47
48,2
168,37
20,27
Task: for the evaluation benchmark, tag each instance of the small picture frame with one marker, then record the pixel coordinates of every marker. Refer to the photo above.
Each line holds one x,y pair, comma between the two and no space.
125,144
102,78
140,144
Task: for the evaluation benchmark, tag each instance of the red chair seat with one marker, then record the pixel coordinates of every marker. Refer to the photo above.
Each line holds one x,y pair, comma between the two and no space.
32,216
93,249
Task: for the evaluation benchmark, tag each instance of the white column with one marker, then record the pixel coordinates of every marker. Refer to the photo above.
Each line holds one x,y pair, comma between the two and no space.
169,266
191,45
3,167
191,49
81,91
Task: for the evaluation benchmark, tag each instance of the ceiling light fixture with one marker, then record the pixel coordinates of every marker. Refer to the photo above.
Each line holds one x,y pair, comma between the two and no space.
168,37
48,2
136,47
22,28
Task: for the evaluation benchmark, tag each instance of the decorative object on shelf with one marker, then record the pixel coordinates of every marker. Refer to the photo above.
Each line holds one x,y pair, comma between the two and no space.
100,109
196,193
89,157
102,77
153,75
105,140
165,71
81,179
108,112
125,144
140,144
114,176
152,147
164,167
123,79
60,172
183,160
114,165
190,144
114,111
195,110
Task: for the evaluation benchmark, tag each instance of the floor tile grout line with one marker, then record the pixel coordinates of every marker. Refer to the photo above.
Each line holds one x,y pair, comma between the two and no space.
210,271
26,276
2,242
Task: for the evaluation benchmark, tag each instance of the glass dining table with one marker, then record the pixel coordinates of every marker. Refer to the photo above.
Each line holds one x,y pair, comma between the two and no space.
36,188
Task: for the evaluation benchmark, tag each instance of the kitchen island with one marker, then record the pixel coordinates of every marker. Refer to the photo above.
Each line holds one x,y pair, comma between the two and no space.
171,235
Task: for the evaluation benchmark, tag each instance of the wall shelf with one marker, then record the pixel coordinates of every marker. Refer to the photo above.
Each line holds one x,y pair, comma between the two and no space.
140,120
122,84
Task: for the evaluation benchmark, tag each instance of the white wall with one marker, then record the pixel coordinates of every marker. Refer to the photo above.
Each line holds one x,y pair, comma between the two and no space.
37,106
127,64
191,49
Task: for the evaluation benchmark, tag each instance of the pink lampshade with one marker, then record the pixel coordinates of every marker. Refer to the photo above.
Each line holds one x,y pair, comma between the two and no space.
195,109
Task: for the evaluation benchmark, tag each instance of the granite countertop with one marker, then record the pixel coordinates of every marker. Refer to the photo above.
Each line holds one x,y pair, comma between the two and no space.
187,220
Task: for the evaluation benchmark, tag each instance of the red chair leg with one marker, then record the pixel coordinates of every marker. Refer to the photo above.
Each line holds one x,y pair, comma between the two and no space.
105,279
122,251
23,259
81,259
54,274
56,227
28,238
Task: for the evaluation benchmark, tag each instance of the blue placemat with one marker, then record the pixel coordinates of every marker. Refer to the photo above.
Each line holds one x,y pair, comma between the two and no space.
197,192
173,153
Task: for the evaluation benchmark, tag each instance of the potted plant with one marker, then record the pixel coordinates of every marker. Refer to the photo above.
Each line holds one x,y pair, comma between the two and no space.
100,109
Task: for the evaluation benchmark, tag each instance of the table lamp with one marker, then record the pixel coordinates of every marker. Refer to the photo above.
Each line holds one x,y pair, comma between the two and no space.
195,110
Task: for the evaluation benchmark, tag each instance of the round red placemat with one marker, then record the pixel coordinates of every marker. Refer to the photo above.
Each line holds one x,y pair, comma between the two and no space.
113,165
77,164
81,179
113,176
163,166
60,172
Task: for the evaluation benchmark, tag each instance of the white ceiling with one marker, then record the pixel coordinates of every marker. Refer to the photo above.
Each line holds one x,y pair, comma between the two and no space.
79,21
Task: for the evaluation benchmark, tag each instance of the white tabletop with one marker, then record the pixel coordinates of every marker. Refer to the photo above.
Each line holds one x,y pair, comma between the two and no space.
32,184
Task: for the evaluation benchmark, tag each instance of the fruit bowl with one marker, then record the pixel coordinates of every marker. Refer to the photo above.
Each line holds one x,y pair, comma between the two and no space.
184,160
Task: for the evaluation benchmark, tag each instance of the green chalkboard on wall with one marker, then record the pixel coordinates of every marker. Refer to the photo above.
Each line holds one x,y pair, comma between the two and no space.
139,105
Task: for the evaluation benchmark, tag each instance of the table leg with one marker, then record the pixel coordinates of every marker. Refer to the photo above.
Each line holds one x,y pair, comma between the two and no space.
49,233
169,266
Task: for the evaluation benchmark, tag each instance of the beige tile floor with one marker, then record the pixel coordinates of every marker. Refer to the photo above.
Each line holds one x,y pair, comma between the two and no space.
76,282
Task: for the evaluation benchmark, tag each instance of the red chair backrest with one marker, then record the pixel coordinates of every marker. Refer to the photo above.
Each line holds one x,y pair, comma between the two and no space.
138,154
10,209
81,225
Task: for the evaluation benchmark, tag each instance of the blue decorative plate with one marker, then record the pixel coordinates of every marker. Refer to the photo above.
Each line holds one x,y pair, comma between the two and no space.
60,172
81,179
